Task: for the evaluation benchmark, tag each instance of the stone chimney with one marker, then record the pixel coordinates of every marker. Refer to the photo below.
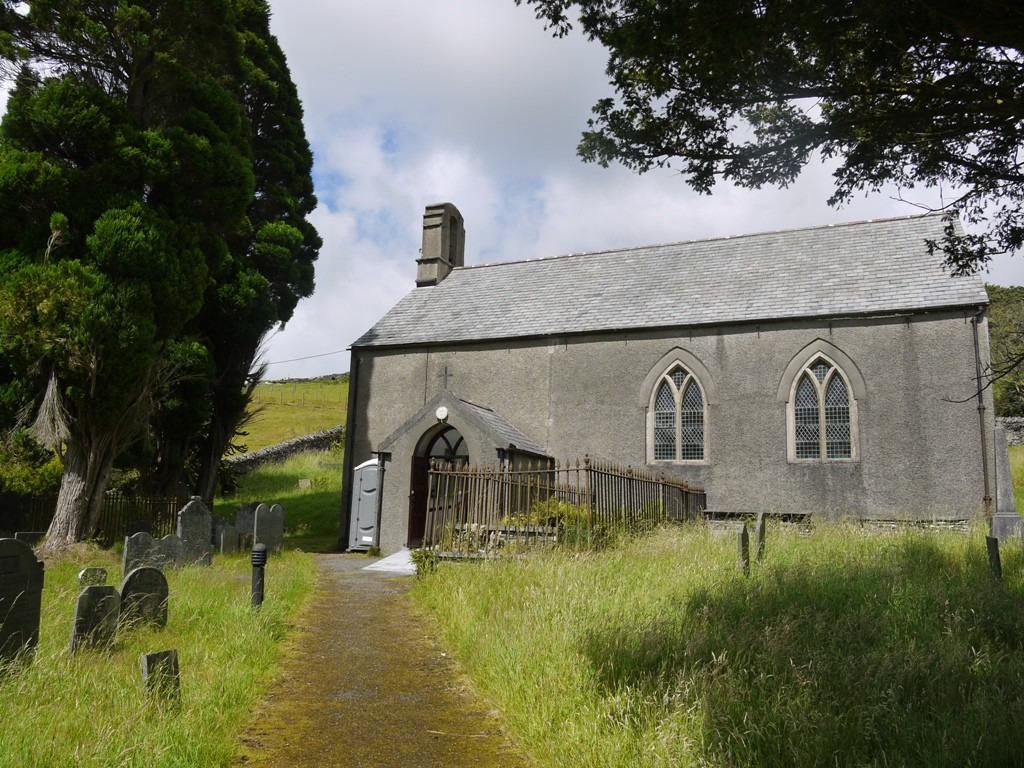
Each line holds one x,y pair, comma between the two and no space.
444,244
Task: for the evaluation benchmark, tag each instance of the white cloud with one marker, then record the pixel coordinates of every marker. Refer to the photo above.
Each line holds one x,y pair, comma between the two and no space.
410,103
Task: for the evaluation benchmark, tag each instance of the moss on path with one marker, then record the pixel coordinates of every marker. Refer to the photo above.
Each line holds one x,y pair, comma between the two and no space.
366,684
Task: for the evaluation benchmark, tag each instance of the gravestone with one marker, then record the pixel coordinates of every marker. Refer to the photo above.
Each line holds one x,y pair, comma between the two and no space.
305,484
21,595
161,676
244,518
227,541
270,527
92,577
194,530
759,537
142,550
96,614
1006,523
144,598
743,544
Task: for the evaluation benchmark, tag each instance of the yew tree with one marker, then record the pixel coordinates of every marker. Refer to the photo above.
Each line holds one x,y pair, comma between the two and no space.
906,94
266,271
125,176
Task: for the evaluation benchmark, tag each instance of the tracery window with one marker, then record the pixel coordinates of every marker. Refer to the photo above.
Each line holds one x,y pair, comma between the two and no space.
448,447
821,413
678,417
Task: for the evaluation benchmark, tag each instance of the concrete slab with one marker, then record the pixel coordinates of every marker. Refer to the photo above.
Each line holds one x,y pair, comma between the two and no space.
398,563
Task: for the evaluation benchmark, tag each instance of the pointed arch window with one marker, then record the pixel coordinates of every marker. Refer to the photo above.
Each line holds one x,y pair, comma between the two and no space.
678,409
822,414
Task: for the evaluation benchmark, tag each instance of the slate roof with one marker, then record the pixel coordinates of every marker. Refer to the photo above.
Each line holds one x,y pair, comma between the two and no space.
503,431
863,268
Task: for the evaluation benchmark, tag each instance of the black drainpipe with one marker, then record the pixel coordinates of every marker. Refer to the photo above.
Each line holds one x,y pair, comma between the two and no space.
987,499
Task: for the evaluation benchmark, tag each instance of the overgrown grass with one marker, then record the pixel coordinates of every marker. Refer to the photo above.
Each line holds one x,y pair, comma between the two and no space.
311,514
842,648
90,709
288,410
1017,471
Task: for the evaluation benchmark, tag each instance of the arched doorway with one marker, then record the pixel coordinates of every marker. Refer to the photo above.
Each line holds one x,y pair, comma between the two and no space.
447,447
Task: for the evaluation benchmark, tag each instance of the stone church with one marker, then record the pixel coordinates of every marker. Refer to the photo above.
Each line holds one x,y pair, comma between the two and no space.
829,370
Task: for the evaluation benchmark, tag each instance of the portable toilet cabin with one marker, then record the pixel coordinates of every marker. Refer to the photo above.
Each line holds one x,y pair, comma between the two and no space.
363,526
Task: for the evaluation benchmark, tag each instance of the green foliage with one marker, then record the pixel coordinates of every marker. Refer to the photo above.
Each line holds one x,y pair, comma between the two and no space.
910,94
1006,337
891,649
26,468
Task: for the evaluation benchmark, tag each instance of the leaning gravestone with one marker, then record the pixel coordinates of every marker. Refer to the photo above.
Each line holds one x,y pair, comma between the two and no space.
92,577
194,530
21,595
270,527
96,614
144,598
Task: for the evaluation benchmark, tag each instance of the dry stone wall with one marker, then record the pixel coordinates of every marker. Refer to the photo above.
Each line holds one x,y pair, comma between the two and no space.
318,441
1014,426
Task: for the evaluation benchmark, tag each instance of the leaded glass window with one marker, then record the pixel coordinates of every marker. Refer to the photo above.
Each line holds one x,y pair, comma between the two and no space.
822,425
678,417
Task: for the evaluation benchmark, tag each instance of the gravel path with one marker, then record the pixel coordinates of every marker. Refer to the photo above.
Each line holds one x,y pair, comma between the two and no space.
367,685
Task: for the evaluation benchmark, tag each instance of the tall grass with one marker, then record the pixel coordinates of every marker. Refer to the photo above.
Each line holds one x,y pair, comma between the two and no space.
90,709
841,649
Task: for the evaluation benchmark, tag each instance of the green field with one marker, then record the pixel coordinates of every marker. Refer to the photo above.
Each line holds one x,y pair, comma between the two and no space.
286,410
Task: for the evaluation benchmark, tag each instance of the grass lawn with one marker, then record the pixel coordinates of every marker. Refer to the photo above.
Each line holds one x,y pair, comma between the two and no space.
842,648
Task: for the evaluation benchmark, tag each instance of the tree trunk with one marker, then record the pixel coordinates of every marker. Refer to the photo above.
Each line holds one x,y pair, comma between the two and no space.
80,500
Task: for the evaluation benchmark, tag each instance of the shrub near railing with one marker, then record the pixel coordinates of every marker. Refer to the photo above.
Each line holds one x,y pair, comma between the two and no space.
474,511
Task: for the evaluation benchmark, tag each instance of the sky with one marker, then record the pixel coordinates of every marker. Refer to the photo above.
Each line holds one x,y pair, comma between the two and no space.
472,102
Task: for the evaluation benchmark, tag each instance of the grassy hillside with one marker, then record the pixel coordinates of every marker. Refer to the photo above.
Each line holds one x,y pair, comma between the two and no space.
288,409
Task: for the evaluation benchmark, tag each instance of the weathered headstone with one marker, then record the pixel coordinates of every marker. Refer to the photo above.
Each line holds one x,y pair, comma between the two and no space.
96,614
21,595
995,564
194,530
305,484
1006,523
30,537
759,531
244,518
142,550
144,596
227,541
270,527
743,542
92,577
161,676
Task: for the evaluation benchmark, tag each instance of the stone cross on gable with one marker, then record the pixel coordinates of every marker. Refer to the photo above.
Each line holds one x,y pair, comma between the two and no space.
446,375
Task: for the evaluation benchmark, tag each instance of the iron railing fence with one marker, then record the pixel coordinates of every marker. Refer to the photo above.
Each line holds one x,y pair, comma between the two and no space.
120,516
480,510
